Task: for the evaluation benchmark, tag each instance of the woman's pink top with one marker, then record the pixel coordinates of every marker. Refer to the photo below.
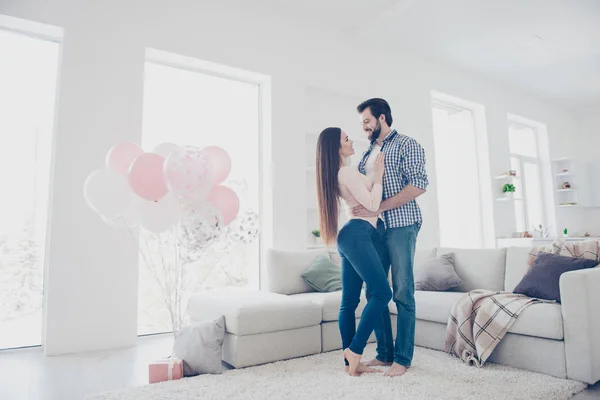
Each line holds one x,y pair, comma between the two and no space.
355,189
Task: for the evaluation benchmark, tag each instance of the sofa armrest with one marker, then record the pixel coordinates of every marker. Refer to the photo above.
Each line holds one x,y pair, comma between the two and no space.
580,297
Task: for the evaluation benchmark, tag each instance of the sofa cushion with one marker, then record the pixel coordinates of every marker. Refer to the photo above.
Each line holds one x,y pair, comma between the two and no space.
542,280
200,346
516,266
323,275
478,268
249,312
538,320
432,306
423,255
284,269
330,303
437,274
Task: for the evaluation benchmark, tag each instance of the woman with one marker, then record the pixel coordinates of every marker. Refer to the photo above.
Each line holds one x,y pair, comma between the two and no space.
357,241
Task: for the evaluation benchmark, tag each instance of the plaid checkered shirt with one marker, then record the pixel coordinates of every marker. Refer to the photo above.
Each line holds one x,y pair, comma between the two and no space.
404,165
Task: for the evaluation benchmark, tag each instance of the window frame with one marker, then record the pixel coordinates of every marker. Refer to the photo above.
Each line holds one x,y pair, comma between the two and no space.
522,160
52,34
265,160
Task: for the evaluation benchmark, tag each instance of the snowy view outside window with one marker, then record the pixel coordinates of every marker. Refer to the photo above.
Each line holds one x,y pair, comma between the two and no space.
27,98
192,108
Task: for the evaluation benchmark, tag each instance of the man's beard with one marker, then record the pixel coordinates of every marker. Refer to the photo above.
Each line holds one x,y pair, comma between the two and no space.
375,133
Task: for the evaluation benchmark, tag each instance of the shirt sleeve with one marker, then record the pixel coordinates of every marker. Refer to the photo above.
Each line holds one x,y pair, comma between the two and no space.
352,179
413,165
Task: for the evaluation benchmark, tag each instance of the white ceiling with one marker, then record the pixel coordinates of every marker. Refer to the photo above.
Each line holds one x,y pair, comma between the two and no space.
548,47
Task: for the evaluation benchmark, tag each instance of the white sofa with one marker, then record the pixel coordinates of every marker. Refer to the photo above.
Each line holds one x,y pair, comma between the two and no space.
289,319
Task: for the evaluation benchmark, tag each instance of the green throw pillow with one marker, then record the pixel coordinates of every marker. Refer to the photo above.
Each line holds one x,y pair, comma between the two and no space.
323,275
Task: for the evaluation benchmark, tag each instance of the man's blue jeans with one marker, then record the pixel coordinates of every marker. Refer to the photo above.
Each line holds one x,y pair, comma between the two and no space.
358,245
401,243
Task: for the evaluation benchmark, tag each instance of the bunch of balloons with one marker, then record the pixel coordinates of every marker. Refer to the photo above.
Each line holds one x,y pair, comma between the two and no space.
170,187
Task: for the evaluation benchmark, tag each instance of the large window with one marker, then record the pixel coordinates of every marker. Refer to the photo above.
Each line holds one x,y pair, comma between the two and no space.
525,161
28,76
191,107
457,177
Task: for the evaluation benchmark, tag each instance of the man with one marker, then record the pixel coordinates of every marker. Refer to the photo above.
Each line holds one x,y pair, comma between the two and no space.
404,180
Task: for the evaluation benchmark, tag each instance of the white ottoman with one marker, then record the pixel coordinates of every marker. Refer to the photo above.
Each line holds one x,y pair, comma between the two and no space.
261,327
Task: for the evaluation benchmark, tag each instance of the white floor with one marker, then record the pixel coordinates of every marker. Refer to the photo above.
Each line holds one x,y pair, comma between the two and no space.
26,374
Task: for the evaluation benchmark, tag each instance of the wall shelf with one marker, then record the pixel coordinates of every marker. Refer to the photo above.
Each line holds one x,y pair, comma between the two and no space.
580,177
506,177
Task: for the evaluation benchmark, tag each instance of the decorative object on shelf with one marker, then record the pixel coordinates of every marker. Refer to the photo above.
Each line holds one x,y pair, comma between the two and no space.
175,195
542,230
587,234
508,188
512,172
317,236
566,185
564,171
565,232
527,235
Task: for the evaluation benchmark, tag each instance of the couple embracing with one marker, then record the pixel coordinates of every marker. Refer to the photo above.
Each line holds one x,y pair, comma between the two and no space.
381,232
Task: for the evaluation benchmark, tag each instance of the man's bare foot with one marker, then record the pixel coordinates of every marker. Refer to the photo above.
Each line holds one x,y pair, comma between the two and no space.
364,369
354,361
376,363
396,370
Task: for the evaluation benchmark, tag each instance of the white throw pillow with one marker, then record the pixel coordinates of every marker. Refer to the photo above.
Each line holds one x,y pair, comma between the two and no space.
200,346
285,268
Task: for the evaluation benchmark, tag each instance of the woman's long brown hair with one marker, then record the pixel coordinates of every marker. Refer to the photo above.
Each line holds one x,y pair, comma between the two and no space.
328,166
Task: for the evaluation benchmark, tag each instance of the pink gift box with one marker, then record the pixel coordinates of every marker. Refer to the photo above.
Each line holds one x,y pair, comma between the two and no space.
166,369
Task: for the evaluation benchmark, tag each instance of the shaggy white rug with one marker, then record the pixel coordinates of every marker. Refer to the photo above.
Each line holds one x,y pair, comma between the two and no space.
434,375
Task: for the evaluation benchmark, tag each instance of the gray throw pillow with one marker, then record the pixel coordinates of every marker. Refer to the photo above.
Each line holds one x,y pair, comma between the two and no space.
200,346
542,280
437,275
323,275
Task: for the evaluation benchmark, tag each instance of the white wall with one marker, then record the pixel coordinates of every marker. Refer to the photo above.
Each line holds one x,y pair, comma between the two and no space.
92,278
588,141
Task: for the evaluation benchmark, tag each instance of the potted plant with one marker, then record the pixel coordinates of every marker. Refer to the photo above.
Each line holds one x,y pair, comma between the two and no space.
508,189
317,236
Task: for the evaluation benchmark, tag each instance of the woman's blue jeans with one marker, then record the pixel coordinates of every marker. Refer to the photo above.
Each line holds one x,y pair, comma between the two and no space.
362,249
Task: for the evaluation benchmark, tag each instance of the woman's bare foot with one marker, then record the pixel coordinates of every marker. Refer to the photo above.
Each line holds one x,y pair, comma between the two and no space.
364,369
353,360
396,370
376,363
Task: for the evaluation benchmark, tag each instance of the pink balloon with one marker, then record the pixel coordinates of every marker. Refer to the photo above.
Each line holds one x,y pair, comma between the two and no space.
146,176
226,201
220,163
120,157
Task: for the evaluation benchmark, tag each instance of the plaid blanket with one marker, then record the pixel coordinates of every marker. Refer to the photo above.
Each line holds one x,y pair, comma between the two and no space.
589,249
479,320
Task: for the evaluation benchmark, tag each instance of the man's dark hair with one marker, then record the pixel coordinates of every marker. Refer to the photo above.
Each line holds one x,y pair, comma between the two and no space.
378,107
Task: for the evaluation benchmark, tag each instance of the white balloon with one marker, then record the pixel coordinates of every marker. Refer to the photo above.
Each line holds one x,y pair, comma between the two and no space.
164,149
187,173
130,218
107,192
159,216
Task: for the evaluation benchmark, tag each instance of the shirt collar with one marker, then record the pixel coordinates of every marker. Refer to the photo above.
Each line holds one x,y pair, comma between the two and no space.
388,137
391,135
